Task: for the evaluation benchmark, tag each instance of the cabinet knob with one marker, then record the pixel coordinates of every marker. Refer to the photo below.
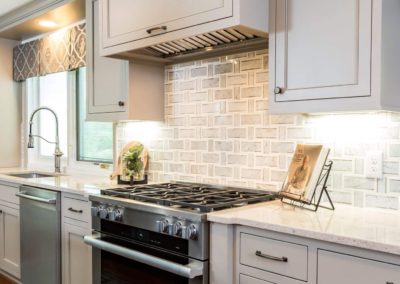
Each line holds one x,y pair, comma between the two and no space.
121,103
278,90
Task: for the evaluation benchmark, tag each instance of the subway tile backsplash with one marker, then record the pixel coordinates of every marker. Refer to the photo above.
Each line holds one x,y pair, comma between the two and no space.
218,130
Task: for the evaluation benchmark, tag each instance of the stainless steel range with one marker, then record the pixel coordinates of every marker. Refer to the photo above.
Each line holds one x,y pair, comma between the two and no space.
158,233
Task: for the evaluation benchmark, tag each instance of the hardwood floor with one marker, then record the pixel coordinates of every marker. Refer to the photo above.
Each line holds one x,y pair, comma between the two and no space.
5,280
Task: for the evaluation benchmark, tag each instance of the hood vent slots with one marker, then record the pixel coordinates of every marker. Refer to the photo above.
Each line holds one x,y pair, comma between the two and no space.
202,43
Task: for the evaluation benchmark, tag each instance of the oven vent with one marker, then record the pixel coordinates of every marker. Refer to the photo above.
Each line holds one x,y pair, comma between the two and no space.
216,40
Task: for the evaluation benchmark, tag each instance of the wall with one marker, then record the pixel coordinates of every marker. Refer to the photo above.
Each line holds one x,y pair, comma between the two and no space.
10,108
217,130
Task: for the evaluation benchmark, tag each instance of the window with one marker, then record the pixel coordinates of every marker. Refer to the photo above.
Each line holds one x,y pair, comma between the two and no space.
49,91
80,140
95,139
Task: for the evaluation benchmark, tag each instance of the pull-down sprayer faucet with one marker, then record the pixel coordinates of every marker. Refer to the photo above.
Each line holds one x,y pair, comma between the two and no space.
57,152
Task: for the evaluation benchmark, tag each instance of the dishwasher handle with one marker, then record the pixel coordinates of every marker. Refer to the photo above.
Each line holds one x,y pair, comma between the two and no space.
22,194
193,269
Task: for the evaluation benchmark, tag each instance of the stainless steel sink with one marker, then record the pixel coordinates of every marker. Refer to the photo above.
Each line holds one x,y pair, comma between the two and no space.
31,175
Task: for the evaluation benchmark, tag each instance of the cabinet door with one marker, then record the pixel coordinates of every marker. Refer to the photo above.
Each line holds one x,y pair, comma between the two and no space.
129,20
77,256
107,79
320,49
334,268
10,241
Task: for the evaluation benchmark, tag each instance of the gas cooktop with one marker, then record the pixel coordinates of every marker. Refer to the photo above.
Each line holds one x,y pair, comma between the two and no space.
191,196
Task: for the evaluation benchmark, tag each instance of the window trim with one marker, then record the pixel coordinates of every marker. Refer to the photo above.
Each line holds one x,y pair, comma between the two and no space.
70,164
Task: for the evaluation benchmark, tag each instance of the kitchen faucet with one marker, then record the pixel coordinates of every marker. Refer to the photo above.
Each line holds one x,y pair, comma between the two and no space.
57,152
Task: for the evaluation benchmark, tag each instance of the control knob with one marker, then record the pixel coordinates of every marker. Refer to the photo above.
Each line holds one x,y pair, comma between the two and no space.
177,229
114,214
103,212
191,232
163,226
95,211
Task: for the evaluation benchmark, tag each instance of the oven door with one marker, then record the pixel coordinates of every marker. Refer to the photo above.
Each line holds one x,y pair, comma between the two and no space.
120,261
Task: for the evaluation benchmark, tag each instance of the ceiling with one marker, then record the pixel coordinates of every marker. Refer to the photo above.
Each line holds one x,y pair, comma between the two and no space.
10,5
65,15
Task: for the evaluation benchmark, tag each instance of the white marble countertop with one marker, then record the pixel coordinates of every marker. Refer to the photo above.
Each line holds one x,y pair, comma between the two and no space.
74,183
367,228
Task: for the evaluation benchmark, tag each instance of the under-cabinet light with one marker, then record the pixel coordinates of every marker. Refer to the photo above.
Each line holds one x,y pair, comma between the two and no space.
47,24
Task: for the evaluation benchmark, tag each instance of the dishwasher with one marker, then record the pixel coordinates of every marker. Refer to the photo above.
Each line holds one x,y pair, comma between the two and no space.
40,221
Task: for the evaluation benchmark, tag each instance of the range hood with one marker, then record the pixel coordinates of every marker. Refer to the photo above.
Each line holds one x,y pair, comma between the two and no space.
216,43
245,28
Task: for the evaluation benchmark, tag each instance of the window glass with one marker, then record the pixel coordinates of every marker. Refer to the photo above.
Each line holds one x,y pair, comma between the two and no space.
95,139
49,91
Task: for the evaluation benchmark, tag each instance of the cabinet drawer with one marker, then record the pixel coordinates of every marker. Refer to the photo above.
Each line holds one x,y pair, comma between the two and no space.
8,193
340,268
269,254
244,279
76,209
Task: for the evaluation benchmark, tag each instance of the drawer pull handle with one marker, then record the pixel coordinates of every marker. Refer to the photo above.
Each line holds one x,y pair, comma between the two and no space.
160,29
270,257
389,282
75,211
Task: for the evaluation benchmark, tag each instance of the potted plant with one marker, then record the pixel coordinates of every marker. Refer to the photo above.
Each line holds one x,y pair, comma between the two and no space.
133,166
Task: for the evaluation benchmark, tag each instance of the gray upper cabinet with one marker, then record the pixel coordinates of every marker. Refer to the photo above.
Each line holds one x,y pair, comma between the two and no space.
118,89
107,78
323,54
329,55
131,20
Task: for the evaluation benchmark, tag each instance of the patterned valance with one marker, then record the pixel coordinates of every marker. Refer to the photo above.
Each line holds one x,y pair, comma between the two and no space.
61,51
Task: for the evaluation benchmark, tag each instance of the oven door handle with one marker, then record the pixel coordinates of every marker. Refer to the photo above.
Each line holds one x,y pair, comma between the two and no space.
193,269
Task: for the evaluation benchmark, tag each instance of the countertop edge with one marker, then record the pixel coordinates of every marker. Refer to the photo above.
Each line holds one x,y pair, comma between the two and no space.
330,237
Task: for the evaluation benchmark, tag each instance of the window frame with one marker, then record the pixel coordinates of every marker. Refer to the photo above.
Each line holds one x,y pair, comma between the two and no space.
70,164
77,117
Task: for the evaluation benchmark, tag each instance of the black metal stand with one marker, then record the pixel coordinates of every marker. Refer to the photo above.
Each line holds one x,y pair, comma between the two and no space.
319,191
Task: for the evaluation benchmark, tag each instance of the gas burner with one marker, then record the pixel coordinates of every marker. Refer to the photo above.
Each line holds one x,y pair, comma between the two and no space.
194,197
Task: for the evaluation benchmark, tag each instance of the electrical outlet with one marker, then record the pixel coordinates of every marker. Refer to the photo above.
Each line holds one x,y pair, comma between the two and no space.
374,165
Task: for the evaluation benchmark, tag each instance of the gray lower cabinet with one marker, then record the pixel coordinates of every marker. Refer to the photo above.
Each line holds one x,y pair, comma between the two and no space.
340,268
246,255
76,255
10,261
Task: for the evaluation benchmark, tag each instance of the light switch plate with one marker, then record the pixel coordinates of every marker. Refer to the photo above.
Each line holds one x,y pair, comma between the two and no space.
374,165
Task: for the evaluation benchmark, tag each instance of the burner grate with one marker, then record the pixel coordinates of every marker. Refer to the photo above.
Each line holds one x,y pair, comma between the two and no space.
196,197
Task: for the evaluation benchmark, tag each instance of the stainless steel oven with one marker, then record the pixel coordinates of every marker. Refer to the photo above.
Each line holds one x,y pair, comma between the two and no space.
131,249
